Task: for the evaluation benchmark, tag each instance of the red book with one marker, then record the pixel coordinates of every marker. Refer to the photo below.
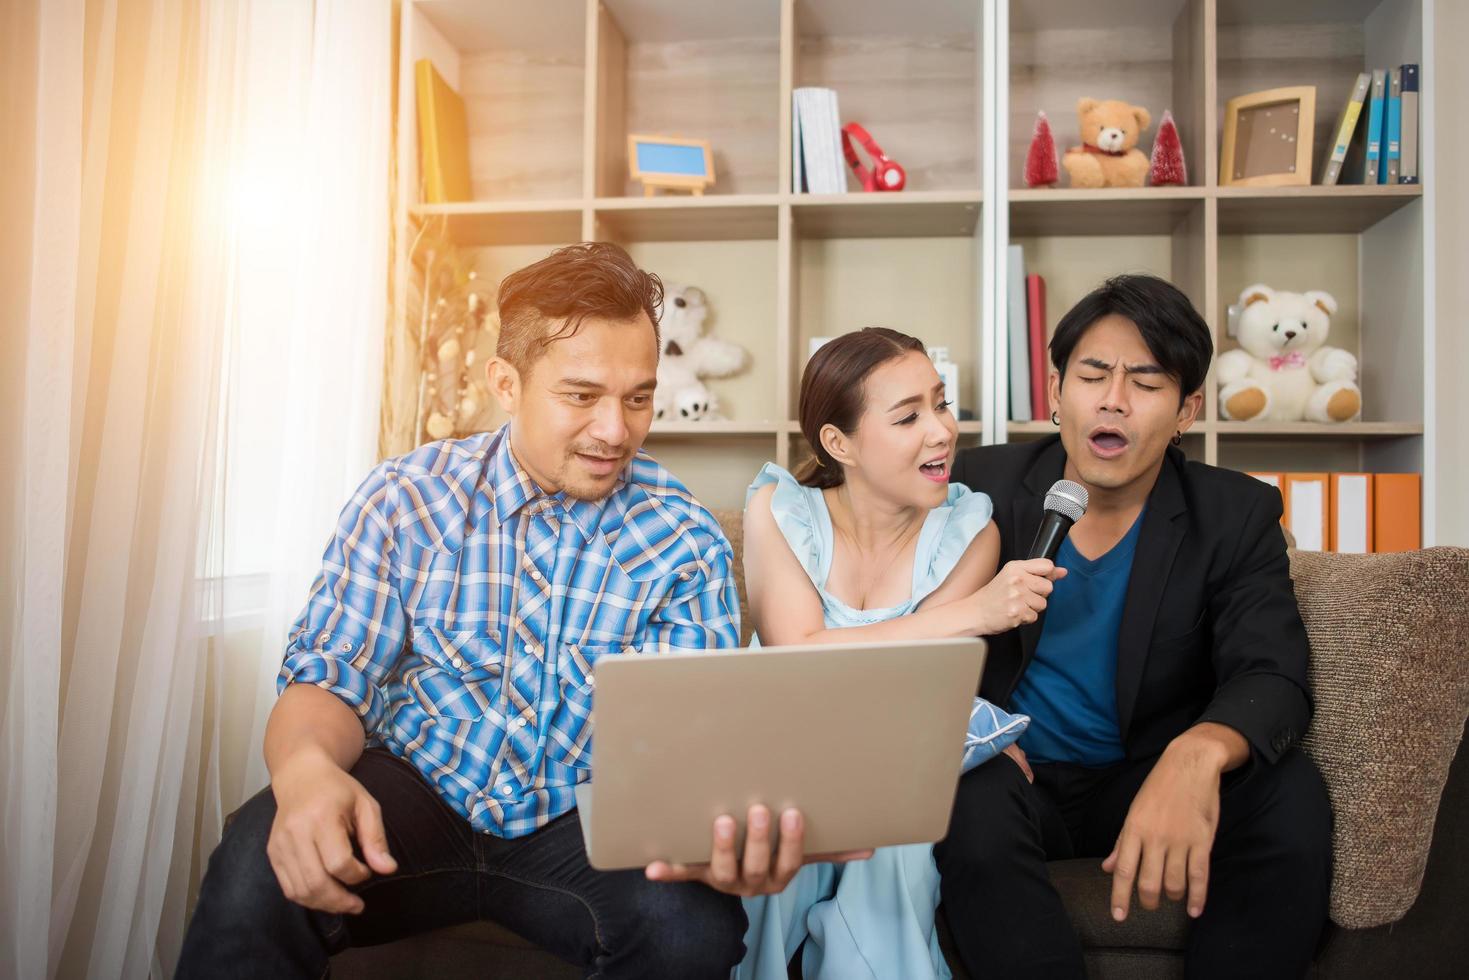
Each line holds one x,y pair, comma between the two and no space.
1035,293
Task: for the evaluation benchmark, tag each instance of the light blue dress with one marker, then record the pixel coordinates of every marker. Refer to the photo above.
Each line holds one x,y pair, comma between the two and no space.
867,919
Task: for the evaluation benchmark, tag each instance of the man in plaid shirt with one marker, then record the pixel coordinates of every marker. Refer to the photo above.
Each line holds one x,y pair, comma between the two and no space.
436,692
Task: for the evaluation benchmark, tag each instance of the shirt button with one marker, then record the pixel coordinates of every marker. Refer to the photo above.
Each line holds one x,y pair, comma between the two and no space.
457,662
535,576
519,723
591,681
346,646
506,790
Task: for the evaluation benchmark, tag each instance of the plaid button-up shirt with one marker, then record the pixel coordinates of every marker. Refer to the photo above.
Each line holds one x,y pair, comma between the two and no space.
460,609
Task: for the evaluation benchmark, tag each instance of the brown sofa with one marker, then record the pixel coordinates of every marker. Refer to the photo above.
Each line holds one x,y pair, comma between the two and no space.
1390,649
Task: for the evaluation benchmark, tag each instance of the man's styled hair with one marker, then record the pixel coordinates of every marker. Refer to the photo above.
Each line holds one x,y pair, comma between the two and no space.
1177,337
548,301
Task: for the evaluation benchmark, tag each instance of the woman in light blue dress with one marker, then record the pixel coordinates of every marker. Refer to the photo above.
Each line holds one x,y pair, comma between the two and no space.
871,542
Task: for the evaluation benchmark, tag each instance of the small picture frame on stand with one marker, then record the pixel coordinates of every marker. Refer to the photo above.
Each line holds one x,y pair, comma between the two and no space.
1268,137
670,163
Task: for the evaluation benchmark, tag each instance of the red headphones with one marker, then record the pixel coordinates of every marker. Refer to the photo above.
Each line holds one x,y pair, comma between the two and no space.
885,175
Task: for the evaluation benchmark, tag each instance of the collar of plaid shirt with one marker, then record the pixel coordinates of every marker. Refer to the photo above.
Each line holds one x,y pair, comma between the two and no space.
460,611
513,488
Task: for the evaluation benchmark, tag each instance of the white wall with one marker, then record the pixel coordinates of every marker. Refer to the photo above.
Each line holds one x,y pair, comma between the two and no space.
1451,255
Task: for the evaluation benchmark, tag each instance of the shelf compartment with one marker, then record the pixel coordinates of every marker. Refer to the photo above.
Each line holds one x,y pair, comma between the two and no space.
909,73
1151,54
1342,209
692,71
672,219
523,81
904,214
1105,211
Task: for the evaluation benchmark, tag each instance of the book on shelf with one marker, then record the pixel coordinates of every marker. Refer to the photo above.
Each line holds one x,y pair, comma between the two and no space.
1346,126
1393,134
1408,170
1397,518
817,138
1018,337
1376,110
1035,309
1351,513
1350,510
1307,494
443,137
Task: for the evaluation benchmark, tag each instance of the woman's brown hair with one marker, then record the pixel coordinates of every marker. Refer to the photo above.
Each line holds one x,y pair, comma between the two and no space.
833,392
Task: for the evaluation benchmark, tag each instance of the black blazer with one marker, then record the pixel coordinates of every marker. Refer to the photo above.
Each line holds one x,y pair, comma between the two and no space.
1210,629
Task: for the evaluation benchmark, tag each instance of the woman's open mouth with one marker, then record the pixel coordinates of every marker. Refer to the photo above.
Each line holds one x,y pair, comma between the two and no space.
936,470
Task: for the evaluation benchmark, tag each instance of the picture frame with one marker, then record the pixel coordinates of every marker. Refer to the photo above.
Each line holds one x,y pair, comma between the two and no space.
670,162
1268,138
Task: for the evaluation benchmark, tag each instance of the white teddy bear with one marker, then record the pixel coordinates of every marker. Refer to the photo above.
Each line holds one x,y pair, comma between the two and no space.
1282,371
688,357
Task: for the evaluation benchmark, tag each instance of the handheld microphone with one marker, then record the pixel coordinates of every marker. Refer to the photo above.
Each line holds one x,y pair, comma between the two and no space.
1065,504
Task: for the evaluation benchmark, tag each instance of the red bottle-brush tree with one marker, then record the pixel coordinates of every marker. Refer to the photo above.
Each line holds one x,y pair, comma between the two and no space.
1041,169
1166,165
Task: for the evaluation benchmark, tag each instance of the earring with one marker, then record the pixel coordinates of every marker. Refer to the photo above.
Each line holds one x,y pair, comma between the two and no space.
1177,439
1055,418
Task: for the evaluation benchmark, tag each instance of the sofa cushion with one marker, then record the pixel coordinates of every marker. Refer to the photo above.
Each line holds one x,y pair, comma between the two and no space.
1390,674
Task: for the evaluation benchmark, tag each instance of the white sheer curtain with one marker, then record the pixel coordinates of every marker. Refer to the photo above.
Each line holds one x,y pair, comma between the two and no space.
193,255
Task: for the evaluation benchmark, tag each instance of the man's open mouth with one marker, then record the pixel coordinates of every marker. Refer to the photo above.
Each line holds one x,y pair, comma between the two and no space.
1108,442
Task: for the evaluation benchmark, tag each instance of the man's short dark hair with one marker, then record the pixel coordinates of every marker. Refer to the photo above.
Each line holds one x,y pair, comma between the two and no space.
548,300
1177,337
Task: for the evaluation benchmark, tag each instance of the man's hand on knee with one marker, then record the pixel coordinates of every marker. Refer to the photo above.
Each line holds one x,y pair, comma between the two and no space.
319,810
757,871
1166,840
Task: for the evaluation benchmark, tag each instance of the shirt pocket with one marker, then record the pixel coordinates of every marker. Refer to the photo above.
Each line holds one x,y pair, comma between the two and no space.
574,675
459,671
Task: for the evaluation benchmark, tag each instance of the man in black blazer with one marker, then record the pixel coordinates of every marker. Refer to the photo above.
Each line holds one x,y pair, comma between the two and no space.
1166,677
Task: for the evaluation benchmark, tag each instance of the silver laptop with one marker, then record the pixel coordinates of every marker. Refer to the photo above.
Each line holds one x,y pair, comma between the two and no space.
866,739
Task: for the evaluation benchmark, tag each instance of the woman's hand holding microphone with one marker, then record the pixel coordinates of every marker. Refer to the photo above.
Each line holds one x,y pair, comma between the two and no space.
1015,596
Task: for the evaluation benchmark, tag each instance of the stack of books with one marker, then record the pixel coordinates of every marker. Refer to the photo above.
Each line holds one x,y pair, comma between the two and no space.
1353,513
817,165
1026,340
1383,148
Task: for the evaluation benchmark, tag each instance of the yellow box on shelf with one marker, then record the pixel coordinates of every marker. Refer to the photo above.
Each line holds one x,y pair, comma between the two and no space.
443,138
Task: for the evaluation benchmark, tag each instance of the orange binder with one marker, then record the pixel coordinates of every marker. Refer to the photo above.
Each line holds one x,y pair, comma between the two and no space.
1398,511
1307,497
1277,480
1351,513
443,138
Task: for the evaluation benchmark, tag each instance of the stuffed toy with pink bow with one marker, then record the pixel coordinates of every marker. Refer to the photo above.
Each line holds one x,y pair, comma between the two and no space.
1282,370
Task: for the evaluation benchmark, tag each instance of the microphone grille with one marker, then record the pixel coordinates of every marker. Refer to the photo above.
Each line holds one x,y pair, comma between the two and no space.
1067,498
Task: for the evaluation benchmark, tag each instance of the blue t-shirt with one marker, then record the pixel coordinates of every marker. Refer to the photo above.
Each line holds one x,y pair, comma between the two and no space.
1070,688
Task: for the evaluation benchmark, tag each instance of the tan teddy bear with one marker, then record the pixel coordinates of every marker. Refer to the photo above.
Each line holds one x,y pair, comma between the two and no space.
1108,156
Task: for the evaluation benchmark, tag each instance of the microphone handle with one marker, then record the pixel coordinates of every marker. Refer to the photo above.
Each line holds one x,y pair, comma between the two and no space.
1048,538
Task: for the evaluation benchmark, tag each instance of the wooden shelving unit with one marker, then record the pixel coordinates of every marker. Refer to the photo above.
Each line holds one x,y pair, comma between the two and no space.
1364,244
950,88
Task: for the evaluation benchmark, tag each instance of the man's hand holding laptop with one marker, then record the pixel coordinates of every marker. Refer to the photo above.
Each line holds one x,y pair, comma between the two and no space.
761,870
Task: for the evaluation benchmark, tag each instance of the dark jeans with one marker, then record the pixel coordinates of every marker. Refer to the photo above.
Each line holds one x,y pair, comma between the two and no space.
1269,870
614,924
